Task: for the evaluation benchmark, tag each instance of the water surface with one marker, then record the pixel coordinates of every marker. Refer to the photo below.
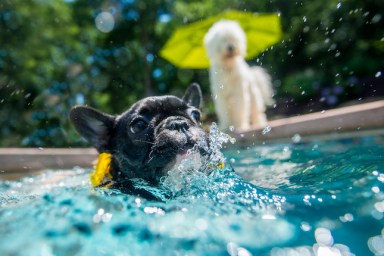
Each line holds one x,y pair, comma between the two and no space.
317,198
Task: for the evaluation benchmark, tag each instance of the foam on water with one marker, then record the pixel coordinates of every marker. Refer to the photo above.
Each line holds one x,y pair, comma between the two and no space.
322,198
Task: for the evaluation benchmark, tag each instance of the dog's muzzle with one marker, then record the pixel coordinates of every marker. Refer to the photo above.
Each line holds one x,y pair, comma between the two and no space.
176,124
175,135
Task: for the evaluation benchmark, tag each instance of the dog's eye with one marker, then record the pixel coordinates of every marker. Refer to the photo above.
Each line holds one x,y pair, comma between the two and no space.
138,125
196,115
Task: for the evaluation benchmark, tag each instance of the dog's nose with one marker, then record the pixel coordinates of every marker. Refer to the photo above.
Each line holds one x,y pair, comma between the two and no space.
230,48
177,125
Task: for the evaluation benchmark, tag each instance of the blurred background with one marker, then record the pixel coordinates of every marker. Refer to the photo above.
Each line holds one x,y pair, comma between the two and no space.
58,53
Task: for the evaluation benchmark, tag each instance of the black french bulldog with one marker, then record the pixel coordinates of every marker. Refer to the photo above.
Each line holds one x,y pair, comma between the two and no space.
145,140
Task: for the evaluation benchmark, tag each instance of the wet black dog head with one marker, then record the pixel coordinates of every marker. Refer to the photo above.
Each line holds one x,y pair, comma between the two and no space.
145,140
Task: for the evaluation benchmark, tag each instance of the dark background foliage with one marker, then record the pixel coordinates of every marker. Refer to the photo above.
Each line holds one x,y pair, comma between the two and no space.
53,56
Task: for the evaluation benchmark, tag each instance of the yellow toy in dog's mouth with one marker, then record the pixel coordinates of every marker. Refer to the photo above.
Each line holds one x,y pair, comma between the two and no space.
101,176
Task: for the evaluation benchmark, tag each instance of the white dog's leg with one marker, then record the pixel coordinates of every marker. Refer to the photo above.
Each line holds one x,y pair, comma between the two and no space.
221,108
239,107
258,117
240,116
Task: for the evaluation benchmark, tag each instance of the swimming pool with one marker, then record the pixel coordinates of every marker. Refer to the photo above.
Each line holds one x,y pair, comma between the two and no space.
312,198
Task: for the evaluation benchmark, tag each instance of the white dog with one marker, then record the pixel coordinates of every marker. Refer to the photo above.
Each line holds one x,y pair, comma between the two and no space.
240,92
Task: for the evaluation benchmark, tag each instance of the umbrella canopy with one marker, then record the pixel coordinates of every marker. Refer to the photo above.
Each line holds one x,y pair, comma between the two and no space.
185,48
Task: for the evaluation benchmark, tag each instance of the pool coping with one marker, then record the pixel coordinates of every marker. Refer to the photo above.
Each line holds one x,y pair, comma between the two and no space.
25,160
328,124
352,121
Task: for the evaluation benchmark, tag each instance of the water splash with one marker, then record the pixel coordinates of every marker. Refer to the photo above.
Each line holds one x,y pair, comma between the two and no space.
266,130
194,167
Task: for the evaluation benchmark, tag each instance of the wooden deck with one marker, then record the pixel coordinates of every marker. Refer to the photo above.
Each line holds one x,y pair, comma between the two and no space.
357,120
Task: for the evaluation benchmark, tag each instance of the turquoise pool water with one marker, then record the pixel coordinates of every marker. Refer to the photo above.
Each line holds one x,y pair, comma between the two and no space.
317,198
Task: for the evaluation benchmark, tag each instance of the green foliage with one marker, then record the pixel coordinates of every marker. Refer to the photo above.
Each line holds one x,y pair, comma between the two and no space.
336,41
52,56
300,85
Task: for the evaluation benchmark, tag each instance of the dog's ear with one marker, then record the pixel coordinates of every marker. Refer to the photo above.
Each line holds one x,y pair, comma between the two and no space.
93,125
193,95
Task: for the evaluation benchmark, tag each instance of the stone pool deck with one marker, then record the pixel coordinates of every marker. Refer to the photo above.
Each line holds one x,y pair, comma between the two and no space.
358,120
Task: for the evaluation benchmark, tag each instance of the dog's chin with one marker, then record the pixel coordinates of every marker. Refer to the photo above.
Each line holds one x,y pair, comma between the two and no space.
228,58
167,158
186,156
185,160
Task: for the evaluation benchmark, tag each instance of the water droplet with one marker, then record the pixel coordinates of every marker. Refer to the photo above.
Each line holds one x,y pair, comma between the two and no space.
266,130
346,217
232,248
323,237
268,217
296,138
376,18
378,74
305,226
376,244
379,206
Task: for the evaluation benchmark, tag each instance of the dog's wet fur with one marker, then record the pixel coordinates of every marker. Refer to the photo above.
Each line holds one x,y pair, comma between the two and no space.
145,140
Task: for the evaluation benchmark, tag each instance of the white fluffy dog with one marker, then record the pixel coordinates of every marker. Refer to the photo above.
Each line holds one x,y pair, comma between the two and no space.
240,92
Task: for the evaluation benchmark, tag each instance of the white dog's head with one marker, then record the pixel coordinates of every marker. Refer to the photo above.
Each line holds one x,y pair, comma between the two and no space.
225,41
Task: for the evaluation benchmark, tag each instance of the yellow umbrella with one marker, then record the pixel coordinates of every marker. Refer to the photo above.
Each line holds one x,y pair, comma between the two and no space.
185,48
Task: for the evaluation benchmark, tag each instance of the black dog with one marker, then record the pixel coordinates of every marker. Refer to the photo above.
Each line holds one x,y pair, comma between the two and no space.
145,140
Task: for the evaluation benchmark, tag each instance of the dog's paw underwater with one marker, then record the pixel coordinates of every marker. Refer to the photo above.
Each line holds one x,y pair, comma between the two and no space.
157,141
